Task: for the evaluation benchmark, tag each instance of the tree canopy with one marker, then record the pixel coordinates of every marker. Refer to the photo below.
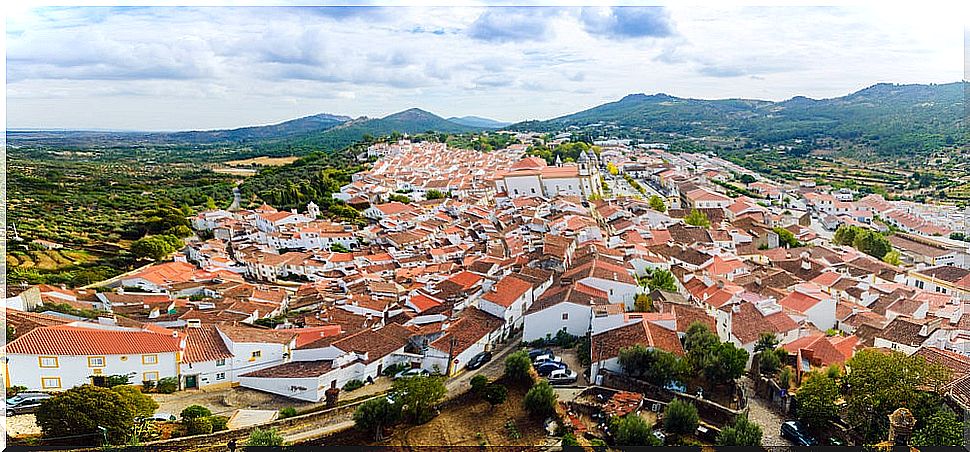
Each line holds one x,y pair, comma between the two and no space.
633,430
540,401
742,432
697,218
418,396
375,415
112,409
517,366
657,203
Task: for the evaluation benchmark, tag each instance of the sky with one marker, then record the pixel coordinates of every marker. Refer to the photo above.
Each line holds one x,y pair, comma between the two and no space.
177,68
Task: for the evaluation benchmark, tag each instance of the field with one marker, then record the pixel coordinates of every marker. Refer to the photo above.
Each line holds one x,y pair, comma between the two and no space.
48,259
263,161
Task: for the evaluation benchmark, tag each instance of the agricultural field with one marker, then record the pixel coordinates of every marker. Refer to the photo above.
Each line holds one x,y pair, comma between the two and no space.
47,259
263,161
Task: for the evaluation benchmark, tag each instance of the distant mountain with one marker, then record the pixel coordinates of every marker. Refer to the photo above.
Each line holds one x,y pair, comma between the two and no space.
884,119
477,121
286,129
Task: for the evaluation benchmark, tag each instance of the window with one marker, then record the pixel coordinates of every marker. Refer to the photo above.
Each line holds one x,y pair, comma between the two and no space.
257,354
50,382
47,361
149,359
220,362
95,361
149,376
565,316
221,376
533,190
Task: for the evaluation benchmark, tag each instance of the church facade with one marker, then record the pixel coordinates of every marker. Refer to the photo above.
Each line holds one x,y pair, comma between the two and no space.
532,177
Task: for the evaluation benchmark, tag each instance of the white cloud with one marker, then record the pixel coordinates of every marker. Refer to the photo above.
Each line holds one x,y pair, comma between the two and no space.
172,68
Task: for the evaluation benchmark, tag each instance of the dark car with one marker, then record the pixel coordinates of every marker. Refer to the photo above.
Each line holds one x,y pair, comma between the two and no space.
479,360
535,353
25,403
795,432
548,367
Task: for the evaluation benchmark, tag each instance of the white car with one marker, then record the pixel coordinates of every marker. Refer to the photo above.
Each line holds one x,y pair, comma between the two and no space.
546,359
562,377
411,373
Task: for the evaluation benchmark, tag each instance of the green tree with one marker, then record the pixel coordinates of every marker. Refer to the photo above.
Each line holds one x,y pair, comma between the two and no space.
495,394
942,428
540,401
766,341
259,437
699,342
154,247
872,243
210,204
434,194
339,248
816,399
845,234
893,258
518,366
727,363
786,237
656,366
697,218
399,198
375,415
768,362
747,179
680,417
140,404
662,280
642,303
633,430
742,432
418,396
657,203
882,381
195,412
61,415
478,383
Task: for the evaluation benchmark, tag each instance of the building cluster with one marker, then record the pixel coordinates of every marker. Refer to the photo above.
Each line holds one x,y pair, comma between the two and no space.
519,251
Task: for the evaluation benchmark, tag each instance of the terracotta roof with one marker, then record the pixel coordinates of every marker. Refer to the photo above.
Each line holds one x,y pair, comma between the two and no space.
251,334
294,369
507,290
204,344
607,344
376,343
473,325
75,340
959,365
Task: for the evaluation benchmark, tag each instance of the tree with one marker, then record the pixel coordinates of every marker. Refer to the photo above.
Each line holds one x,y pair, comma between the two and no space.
339,248
680,417
155,247
633,430
872,243
697,218
662,280
612,169
643,303
657,203
540,401
816,399
61,415
495,394
768,362
767,341
140,404
394,197
942,428
880,382
786,237
375,415
742,433
195,412
845,234
264,438
727,363
747,179
518,366
893,258
699,342
433,194
478,383
657,366
418,396
210,204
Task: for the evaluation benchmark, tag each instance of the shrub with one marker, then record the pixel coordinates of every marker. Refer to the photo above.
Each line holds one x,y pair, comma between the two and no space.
680,418
633,430
352,385
167,385
287,412
14,390
148,385
495,394
264,438
393,370
742,433
568,440
117,380
195,412
518,366
478,383
198,426
219,423
540,401
375,415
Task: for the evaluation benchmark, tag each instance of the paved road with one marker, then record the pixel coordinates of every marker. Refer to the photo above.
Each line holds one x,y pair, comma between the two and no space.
762,414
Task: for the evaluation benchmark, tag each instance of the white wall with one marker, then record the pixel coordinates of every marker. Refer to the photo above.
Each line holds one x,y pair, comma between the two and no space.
25,370
549,321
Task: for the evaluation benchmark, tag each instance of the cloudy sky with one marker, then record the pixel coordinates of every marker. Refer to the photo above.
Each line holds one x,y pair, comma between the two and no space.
167,68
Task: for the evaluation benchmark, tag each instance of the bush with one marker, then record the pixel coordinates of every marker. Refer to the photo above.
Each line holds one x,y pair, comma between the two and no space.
495,394
117,380
219,423
167,385
198,426
393,370
375,415
264,438
633,430
518,366
148,385
540,401
14,390
478,383
195,412
680,418
742,433
287,412
568,440
352,385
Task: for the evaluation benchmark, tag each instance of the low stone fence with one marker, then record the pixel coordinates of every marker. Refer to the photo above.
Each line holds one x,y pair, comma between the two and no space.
709,411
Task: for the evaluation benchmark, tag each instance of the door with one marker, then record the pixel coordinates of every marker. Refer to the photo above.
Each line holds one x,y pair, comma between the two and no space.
99,380
191,381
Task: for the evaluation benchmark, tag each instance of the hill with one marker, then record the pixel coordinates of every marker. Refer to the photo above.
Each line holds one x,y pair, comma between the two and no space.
878,121
477,121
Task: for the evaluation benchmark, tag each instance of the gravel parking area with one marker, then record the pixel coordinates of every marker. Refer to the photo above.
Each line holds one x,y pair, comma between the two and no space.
571,358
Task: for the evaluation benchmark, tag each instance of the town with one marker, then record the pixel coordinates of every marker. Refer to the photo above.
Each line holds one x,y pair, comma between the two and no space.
668,292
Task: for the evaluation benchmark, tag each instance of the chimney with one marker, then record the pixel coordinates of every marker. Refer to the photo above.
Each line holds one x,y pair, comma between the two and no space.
901,423
806,265
720,284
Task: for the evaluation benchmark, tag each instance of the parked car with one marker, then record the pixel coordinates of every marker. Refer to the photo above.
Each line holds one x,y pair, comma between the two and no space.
795,432
25,403
546,358
546,368
479,360
562,377
536,352
411,373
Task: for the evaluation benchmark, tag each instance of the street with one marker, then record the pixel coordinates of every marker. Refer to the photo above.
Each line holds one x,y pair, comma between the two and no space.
762,414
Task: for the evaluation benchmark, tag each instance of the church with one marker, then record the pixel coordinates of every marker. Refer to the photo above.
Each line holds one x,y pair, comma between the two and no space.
532,177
